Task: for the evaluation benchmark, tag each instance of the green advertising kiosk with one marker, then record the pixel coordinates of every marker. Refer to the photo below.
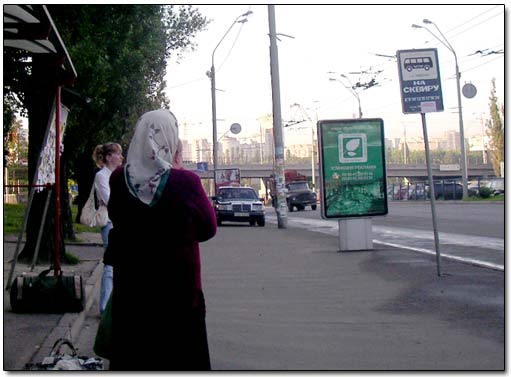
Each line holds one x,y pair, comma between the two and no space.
353,177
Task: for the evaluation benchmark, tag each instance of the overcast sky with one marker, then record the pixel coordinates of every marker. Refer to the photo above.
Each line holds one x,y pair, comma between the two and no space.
342,39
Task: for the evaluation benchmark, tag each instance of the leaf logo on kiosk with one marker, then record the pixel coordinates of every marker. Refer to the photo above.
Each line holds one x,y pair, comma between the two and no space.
353,148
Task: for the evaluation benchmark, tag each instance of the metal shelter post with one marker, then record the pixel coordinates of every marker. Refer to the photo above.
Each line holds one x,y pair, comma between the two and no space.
57,181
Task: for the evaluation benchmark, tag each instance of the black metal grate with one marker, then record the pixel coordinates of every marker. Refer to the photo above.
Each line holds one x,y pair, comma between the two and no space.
241,207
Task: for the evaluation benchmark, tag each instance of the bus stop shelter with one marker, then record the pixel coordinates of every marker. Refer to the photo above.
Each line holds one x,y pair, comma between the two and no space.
32,43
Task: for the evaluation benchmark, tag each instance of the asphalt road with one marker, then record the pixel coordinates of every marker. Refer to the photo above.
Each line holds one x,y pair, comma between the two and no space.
476,219
468,232
287,300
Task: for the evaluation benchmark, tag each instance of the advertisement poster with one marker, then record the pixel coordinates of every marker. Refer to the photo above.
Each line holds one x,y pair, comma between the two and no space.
227,177
352,168
45,172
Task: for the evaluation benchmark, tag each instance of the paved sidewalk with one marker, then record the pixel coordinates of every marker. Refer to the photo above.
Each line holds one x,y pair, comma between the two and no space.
286,299
28,337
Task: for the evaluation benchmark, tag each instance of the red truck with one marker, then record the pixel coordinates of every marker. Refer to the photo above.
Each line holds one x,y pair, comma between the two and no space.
298,193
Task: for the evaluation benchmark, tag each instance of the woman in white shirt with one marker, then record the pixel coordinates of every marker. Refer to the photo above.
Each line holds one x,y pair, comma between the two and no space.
107,157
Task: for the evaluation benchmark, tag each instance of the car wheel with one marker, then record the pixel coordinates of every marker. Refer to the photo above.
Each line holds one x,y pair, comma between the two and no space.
290,207
218,222
313,207
252,222
261,222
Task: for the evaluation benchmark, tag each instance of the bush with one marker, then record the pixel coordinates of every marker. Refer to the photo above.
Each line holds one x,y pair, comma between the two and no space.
485,192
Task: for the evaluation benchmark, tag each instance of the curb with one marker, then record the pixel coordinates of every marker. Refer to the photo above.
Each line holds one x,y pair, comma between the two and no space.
88,244
70,325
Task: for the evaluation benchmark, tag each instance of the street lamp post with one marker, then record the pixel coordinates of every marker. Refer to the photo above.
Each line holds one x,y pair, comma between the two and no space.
211,74
352,91
355,94
463,159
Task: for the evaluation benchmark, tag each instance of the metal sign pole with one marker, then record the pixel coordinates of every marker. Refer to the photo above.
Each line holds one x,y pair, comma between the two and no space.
432,192
421,92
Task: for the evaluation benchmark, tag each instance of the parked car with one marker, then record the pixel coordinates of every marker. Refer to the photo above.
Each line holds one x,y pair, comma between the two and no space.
497,186
397,192
450,190
239,204
476,186
417,192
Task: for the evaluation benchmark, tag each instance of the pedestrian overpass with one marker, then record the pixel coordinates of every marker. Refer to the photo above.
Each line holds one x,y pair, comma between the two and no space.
411,172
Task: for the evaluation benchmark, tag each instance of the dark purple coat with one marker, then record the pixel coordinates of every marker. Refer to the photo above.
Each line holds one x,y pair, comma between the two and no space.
157,274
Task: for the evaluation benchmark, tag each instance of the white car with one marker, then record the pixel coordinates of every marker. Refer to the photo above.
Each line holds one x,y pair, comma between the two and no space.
238,204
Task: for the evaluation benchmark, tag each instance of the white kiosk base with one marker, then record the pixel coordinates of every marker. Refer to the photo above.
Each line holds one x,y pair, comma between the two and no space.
355,234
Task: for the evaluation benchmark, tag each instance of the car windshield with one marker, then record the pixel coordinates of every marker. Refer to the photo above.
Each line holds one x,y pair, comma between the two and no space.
237,193
295,186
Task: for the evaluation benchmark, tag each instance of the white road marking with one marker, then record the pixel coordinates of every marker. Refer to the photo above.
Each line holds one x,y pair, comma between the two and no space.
332,228
446,238
473,261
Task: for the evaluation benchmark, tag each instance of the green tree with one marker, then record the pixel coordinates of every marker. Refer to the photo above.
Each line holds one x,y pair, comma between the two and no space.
15,142
120,54
394,156
495,131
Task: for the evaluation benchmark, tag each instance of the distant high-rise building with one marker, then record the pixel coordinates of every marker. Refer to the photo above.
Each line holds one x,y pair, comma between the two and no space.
452,139
230,150
268,145
201,150
187,151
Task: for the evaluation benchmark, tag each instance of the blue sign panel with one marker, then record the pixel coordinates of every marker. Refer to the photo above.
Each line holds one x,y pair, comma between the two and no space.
202,166
419,76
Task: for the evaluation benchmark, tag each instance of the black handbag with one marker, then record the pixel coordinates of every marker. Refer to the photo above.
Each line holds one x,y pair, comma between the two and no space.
47,294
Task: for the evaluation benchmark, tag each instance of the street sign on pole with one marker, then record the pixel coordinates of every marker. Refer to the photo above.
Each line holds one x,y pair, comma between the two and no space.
421,92
419,77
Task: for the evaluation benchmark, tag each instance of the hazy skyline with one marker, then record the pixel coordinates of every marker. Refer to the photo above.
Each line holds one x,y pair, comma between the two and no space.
342,39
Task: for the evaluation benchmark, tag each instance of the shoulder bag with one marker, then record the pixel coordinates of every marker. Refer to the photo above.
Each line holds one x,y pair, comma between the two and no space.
91,216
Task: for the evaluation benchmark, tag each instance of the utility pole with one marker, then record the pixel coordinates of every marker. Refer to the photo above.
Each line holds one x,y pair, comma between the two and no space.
281,206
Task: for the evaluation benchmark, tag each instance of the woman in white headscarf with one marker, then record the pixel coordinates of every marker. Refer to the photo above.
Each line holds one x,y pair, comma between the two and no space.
160,213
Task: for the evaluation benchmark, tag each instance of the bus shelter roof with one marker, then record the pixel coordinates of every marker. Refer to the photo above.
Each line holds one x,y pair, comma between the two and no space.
30,28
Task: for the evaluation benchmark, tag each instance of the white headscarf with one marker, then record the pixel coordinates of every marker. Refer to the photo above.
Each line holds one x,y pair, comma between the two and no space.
150,155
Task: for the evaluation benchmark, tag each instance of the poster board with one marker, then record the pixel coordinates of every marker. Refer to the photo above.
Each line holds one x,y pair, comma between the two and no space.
45,172
227,177
352,168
